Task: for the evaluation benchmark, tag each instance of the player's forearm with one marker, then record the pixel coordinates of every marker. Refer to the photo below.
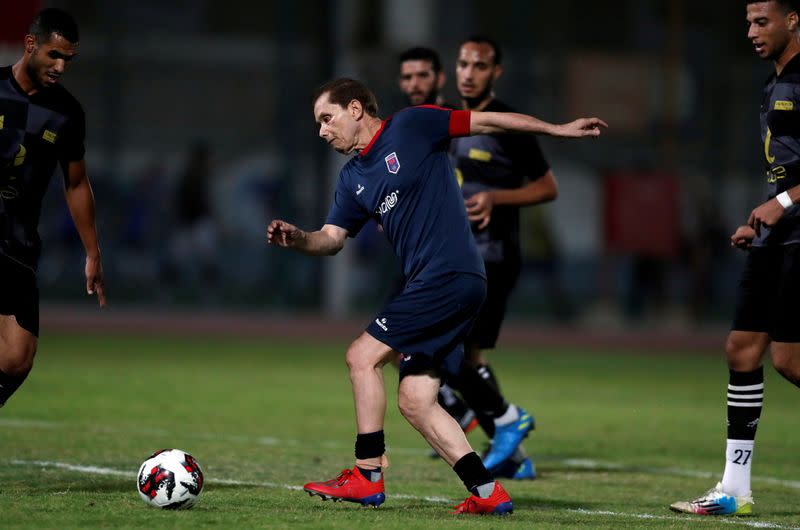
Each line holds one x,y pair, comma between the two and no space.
544,189
317,244
80,201
508,122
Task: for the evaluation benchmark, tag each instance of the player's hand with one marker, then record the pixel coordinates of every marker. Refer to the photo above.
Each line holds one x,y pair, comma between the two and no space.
479,208
94,279
766,214
581,128
743,237
283,234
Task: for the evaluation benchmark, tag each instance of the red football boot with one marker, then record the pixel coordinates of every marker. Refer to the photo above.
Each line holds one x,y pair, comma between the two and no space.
498,503
349,486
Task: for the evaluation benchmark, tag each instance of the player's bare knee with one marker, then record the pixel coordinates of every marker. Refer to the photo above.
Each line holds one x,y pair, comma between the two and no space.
786,362
18,358
356,359
411,407
743,353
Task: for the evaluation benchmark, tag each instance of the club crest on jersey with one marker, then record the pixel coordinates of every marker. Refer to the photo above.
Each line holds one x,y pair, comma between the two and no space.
392,163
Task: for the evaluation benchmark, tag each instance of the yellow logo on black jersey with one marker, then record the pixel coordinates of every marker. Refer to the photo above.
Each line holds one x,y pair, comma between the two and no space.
480,155
784,105
770,158
19,159
2,119
49,136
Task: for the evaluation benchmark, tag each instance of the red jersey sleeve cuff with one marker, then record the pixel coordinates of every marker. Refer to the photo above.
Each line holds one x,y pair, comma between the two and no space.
459,123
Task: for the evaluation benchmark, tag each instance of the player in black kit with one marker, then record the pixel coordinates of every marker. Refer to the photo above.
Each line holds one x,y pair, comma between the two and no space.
41,125
498,175
766,310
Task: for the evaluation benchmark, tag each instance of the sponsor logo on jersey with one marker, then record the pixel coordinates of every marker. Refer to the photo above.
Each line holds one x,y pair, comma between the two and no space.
50,136
784,105
480,155
19,158
359,189
388,203
2,119
392,163
381,322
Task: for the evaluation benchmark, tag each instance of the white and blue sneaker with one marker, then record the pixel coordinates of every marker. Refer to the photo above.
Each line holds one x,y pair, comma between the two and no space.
507,439
716,502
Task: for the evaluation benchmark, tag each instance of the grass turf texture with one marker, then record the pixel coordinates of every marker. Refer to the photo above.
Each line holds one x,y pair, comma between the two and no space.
619,437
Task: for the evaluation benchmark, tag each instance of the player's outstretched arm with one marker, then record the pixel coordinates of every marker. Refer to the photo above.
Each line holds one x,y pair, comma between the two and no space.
512,122
80,201
326,241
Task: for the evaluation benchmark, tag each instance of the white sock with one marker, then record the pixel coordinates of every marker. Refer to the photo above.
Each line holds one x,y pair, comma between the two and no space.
484,491
738,458
509,416
519,455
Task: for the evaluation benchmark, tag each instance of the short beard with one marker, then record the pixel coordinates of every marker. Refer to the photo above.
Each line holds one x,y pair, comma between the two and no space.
31,69
432,99
474,102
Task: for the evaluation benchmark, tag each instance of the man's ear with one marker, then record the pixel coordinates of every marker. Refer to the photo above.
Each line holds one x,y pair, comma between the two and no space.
498,71
441,79
356,109
792,21
30,43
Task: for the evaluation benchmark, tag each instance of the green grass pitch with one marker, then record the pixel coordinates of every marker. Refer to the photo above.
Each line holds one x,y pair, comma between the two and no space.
619,436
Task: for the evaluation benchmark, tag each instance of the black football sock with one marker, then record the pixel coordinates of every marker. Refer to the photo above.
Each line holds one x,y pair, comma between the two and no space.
452,403
8,385
485,371
487,402
473,473
373,475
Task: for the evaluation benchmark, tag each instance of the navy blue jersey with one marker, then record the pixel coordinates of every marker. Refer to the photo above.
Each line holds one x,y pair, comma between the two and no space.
498,161
36,133
780,133
404,180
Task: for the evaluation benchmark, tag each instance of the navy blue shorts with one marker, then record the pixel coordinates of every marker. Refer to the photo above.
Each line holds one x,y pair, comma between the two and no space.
768,292
429,321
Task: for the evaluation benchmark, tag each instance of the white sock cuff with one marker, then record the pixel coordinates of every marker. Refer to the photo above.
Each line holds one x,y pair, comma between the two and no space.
509,416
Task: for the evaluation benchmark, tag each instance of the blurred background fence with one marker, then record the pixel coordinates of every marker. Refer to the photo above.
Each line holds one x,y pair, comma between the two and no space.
200,131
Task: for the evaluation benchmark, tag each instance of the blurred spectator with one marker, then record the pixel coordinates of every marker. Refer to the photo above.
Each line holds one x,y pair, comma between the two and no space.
192,252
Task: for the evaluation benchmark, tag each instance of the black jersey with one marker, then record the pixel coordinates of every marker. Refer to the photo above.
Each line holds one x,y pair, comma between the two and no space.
780,134
497,161
36,133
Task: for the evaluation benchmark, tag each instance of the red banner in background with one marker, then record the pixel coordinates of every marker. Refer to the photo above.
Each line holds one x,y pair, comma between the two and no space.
642,213
15,17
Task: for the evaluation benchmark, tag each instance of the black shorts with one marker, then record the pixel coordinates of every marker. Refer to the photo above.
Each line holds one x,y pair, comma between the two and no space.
429,321
20,294
500,279
768,292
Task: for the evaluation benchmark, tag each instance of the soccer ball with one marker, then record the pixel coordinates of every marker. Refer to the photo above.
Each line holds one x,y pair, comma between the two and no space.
170,479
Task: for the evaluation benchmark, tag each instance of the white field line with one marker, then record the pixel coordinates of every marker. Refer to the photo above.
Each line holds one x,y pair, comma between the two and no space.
684,519
95,470
271,441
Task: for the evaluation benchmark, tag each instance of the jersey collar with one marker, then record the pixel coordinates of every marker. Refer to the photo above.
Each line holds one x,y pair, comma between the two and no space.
368,148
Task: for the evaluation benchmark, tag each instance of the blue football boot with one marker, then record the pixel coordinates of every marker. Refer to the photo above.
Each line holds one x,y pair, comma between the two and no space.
515,470
507,439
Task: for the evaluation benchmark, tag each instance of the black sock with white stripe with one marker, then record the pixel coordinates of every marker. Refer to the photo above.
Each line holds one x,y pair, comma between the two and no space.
745,398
